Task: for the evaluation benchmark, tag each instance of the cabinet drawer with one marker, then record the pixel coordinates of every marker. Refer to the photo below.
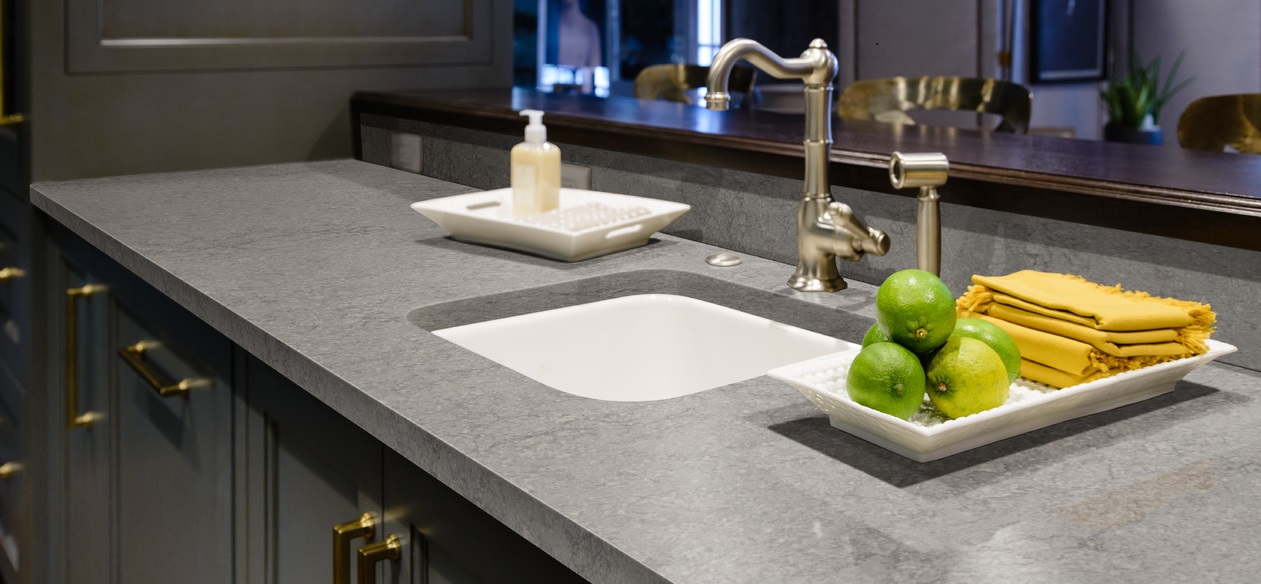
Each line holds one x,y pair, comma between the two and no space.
15,299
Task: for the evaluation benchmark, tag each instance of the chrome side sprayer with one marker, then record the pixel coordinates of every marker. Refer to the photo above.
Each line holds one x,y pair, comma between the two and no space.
927,170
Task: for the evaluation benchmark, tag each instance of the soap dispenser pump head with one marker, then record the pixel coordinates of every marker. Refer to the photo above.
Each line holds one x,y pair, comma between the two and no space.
535,132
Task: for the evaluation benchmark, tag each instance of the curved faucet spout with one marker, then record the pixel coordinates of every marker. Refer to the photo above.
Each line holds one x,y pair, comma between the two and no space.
816,66
826,229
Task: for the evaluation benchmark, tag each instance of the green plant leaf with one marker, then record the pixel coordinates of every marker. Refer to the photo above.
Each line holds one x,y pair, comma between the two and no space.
1130,98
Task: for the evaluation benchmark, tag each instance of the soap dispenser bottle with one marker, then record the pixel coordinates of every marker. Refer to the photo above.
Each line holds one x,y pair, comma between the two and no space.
535,170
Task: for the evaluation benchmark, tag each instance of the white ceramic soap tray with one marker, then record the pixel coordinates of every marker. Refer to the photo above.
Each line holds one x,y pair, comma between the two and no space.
929,435
587,224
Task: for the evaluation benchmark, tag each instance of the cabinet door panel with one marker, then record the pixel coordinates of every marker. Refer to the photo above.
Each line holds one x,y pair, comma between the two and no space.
312,469
88,512
175,473
451,540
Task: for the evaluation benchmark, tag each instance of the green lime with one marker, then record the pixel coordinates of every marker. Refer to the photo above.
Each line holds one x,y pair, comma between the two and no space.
874,335
997,338
916,310
886,377
966,376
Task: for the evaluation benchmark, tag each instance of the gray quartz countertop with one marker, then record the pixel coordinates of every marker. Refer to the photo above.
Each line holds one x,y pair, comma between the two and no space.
322,271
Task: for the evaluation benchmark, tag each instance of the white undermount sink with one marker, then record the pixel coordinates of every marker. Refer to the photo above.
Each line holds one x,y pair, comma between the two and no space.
640,348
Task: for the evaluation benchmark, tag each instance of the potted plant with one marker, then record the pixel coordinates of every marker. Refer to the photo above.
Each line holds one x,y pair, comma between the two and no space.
1134,101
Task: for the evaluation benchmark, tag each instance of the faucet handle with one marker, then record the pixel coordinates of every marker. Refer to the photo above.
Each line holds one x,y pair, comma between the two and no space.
862,239
876,242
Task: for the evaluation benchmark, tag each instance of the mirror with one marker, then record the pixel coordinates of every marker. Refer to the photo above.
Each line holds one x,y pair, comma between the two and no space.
972,38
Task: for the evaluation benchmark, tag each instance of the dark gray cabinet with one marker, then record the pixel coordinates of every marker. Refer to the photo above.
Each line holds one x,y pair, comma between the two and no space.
309,470
15,287
15,315
446,539
81,422
15,351
318,483
134,86
313,471
175,456
144,421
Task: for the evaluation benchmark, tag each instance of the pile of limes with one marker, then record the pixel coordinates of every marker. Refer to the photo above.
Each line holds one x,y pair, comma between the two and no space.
918,347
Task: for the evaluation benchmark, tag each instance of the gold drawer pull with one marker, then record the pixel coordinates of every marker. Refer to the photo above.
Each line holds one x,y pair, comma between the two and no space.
134,356
11,273
365,527
73,418
369,555
9,469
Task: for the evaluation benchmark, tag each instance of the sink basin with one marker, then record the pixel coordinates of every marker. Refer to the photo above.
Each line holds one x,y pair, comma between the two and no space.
641,347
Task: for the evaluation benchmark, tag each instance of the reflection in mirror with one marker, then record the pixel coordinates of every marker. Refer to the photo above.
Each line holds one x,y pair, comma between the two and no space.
636,34
598,46
969,38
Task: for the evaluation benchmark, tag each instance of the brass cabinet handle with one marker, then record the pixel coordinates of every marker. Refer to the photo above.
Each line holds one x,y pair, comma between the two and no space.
369,555
365,527
73,418
134,355
9,469
11,273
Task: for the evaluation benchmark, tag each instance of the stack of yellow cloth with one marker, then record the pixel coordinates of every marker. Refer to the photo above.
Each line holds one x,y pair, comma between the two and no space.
1071,331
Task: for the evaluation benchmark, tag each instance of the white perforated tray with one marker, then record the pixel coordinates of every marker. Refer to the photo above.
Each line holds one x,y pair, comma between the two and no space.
587,224
929,435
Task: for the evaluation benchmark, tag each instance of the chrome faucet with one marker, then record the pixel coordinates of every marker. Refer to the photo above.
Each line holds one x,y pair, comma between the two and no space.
826,229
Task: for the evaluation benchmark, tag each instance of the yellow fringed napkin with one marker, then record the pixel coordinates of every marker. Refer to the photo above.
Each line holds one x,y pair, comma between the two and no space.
1120,344
1070,330
1054,377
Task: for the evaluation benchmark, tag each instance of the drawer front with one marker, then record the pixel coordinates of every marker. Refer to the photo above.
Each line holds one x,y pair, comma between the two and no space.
15,302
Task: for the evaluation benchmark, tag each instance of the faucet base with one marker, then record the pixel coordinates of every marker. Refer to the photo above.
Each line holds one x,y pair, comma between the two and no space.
806,283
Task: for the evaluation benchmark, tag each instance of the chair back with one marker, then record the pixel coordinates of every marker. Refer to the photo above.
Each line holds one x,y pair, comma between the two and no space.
888,99
673,81
1215,122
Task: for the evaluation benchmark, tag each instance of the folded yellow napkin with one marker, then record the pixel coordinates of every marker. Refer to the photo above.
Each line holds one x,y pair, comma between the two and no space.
1070,330
1059,361
1120,344
1054,377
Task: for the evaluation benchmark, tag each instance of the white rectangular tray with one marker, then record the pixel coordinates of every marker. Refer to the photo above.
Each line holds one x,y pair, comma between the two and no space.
929,435
485,218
